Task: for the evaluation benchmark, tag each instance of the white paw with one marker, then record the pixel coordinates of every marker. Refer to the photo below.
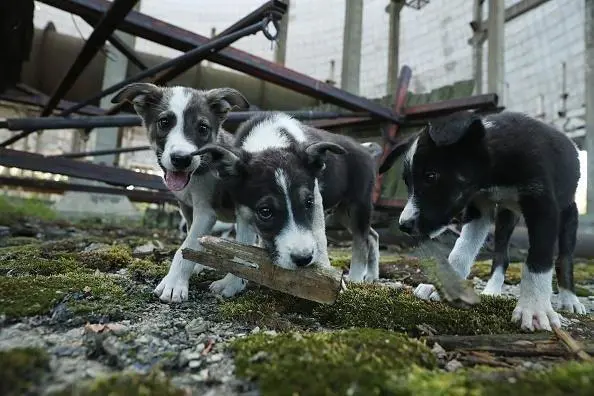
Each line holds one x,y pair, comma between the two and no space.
172,289
538,315
569,302
198,268
355,276
370,277
491,290
426,291
229,286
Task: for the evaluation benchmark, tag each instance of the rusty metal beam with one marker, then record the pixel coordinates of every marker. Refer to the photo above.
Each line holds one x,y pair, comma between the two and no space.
60,187
183,40
79,169
121,46
114,14
41,101
192,56
98,153
48,123
437,109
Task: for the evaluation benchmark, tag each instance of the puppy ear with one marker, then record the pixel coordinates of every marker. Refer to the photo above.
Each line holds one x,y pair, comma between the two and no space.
400,148
136,93
222,100
316,153
458,129
227,162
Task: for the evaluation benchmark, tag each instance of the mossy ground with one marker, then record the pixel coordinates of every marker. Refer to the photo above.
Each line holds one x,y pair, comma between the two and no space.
322,363
376,362
14,210
373,306
125,384
359,345
21,370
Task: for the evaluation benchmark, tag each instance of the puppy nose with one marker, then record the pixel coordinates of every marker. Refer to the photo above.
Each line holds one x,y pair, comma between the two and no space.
181,161
301,260
407,226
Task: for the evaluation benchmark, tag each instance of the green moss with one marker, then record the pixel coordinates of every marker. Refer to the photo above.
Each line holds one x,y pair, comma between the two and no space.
582,291
582,272
268,309
89,295
372,306
14,210
125,384
563,379
58,258
18,241
107,260
21,370
382,307
351,362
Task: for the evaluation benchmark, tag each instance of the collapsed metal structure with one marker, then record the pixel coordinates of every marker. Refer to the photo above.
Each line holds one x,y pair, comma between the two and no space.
107,16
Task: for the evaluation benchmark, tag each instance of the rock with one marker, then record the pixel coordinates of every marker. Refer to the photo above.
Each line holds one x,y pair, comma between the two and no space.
217,357
146,249
438,350
453,365
194,364
197,326
4,231
95,246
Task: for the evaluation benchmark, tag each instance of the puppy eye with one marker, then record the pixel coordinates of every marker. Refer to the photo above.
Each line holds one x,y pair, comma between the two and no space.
163,122
309,202
265,213
203,129
431,177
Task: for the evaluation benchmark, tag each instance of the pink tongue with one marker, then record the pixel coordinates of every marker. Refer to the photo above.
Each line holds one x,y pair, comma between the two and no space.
176,181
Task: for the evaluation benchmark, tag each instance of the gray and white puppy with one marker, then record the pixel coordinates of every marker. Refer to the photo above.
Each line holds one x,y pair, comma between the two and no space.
283,175
179,121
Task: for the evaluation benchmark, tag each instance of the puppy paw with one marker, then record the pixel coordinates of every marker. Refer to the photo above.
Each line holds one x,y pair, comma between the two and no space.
536,315
172,289
370,277
229,286
355,276
569,302
491,291
426,291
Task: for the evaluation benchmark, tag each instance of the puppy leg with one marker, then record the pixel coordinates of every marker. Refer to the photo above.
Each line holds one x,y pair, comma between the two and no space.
534,309
471,239
356,219
505,222
373,256
230,285
568,224
174,287
319,228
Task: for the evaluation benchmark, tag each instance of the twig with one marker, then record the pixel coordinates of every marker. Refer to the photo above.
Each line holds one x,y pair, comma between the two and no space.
315,282
571,344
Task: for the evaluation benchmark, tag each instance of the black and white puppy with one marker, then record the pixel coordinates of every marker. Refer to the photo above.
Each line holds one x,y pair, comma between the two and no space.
179,121
283,176
465,163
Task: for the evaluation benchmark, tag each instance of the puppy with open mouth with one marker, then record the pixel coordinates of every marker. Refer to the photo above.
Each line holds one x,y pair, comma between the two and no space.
472,164
285,176
179,121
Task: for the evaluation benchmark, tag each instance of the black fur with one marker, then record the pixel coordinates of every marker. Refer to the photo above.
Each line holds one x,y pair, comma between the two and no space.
522,165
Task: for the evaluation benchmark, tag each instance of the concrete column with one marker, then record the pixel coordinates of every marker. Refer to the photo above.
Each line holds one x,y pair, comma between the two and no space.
589,80
478,38
496,25
394,9
351,46
280,51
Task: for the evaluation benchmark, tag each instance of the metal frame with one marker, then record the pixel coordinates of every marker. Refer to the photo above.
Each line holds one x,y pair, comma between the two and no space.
106,16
